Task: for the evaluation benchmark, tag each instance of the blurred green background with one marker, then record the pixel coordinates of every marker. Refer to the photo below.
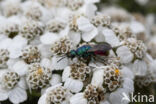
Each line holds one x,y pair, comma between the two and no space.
133,6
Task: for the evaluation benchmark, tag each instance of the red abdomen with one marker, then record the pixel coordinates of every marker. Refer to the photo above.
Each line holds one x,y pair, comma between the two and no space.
102,53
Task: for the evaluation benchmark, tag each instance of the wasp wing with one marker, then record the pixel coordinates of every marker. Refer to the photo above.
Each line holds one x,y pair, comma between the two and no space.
100,49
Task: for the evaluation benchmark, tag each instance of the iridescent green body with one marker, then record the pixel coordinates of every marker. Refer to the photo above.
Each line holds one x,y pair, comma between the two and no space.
88,52
83,51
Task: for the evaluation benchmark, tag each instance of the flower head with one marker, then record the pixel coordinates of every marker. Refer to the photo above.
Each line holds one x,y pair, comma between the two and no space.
94,94
30,29
137,47
4,56
31,54
62,46
38,77
112,78
10,79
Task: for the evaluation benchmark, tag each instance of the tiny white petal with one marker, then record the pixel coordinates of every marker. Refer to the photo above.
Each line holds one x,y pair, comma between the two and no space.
20,67
127,73
137,27
66,73
104,102
90,9
78,99
4,44
128,84
99,38
49,38
88,36
17,95
97,78
84,24
126,56
56,79
75,37
42,99
3,94
110,37
22,83
73,85
53,87
59,65
139,68
46,63
91,1
45,50
16,46
11,63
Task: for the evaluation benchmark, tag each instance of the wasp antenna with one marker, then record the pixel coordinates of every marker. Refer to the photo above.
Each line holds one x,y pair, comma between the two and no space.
61,58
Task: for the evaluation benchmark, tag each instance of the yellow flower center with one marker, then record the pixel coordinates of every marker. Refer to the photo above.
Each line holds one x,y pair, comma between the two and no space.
40,71
117,72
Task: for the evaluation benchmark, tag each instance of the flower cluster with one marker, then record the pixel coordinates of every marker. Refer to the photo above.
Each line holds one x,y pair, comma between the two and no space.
52,47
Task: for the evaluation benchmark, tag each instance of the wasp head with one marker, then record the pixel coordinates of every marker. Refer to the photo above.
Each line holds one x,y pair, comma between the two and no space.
71,54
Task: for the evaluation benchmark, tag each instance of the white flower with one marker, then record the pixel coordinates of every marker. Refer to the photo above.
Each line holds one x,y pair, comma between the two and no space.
32,10
20,67
78,99
110,37
139,67
137,27
11,8
97,78
16,46
126,56
91,95
89,31
55,94
49,38
75,75
4,57
59,65
38,76
12,87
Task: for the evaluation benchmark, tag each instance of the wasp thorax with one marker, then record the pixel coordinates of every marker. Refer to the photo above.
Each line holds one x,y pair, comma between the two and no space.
10,80
33,12
30,29
74,4
101,20
80,71
55,26
112,78
56,95
4,56
137,47
31,54
94,94
62,46
38,77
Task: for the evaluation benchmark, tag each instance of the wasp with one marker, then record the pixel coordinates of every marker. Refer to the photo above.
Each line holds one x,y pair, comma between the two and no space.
87,52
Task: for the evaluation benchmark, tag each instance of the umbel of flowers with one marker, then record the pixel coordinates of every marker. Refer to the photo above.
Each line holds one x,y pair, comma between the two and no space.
36,34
